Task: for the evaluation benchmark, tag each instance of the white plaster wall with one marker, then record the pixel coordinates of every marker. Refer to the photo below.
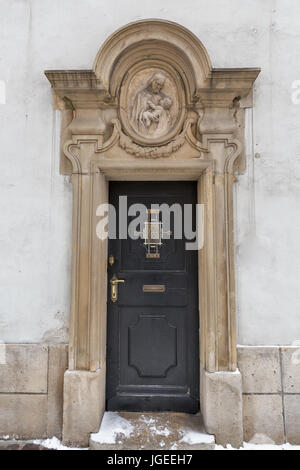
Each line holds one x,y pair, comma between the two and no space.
35,201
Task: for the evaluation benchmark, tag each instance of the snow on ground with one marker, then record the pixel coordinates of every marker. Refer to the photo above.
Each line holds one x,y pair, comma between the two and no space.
112,425
55,444
249,446
160,432
147,419
193,437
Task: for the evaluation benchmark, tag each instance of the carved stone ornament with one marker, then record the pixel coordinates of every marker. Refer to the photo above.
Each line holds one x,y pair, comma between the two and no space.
152,152
151,107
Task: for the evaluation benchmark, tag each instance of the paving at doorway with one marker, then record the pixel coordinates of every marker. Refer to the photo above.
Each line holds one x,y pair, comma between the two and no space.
151,431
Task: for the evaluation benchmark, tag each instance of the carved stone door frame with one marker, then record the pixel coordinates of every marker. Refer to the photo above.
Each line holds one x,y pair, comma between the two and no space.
206,144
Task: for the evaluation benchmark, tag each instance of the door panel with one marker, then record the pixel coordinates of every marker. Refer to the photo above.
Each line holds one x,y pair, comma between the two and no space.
152,344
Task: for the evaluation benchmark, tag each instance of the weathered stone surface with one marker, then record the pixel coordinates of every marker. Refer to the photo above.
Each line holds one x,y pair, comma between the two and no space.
23,416
58,363
84,401
10,446
32,447
152,431
291,369
221,406
263,416
25,370
21,445
292,418
260,369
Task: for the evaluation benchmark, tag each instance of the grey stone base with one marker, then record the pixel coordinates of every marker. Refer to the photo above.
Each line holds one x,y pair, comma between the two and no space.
84,402
221,406
264,398
271,393
31,390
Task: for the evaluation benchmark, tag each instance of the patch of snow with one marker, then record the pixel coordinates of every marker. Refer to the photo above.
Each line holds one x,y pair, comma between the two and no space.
194,437
55,444
250,446
288,446
162,443
174,447
112,425
160,432
5,438
147,420
228,447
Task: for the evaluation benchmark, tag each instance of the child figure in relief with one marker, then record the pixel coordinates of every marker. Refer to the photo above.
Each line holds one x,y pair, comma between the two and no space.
159,114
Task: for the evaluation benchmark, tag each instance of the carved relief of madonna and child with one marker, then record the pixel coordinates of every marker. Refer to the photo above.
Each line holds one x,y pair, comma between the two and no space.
152,104
151,108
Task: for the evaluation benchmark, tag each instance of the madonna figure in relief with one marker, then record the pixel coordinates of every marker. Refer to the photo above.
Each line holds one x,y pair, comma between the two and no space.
150,113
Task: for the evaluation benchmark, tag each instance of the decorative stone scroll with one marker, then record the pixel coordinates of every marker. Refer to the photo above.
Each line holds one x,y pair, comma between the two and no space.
153,152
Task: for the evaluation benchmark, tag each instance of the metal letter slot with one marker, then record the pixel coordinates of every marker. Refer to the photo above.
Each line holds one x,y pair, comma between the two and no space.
114,287
154,288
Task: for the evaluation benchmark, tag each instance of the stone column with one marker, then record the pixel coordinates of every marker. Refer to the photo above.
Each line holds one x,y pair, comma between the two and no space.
221,385
84,381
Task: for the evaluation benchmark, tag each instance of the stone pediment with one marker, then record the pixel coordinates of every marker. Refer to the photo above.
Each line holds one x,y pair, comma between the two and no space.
152,93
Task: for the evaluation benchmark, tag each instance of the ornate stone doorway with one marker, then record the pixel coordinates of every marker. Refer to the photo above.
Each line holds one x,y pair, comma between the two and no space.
153,108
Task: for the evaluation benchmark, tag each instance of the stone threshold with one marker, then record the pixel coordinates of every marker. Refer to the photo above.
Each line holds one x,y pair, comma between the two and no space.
151,431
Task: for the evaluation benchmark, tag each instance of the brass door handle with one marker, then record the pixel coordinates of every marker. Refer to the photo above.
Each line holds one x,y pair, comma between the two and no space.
114,287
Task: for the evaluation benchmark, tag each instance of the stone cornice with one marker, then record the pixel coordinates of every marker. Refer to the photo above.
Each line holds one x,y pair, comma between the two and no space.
85,90
227,84
81,87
